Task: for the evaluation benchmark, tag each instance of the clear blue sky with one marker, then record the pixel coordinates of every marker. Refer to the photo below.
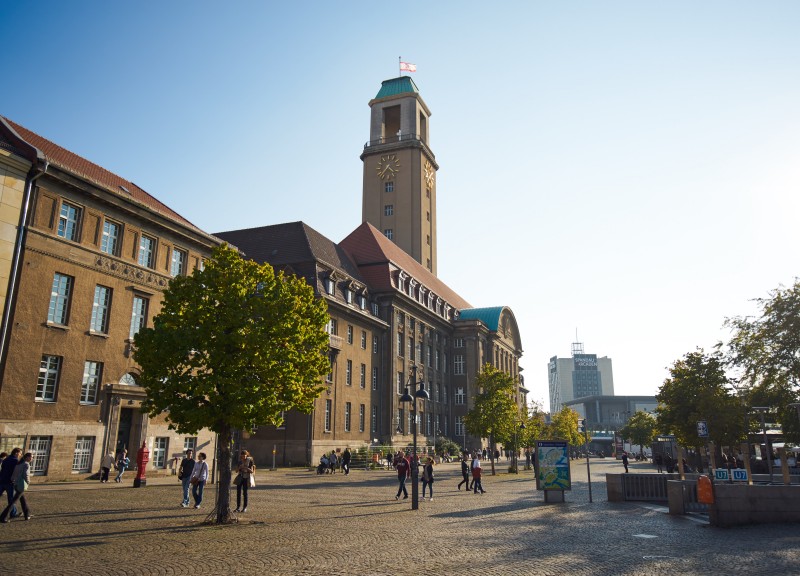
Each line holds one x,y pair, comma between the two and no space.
626,169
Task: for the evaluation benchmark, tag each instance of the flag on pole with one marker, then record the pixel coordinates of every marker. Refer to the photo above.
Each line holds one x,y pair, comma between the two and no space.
408,67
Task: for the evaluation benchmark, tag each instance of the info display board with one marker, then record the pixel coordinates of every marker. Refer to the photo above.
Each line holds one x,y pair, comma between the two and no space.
552,465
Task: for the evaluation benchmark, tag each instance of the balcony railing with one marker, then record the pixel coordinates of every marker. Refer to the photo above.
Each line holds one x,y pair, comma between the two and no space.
395,138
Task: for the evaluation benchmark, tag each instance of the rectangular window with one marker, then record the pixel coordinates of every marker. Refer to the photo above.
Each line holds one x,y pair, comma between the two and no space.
400,382
374,309
58,311
429,355
40,448
348,295
330,286
460,430
82,456
111,235
444,393
328,406
460,396
444,362
179,258
411,348
363,375
349,334
374,344
49,372
332,327
399,343
388,186
374,377
388,209
147,251
329,376
374,418
363,340
436,359
349,373
458,342
361,417
362,302
138,315
190,443
92,376
159,455
347,416
458,364
68,221
388,233
100,309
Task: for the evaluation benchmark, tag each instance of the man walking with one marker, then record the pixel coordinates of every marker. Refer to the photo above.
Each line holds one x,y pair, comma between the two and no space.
403,468
346,461
625,461
185,476
21,478
6,470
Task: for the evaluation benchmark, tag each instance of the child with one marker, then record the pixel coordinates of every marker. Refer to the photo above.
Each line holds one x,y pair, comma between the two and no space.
476,479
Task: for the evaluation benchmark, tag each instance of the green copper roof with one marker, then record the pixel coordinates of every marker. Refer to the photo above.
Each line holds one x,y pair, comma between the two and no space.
396,86
489,316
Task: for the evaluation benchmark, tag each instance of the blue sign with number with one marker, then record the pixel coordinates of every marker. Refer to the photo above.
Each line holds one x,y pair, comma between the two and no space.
740,475
721,474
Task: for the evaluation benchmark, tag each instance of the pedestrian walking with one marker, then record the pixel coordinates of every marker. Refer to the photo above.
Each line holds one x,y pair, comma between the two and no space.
346,456
658,460
123,463
334,461
21,478
185,476
7,466
476,475
106,464
246,469
625,461
464,472
427,477
199,478
402,468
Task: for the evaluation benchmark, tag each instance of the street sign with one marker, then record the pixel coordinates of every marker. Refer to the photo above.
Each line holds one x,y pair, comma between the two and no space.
740,475
721,475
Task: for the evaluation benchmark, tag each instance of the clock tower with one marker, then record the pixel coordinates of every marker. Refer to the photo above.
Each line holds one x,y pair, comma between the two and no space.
399,196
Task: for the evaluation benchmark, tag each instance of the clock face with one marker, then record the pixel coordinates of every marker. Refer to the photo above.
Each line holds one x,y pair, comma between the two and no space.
388,166
430,175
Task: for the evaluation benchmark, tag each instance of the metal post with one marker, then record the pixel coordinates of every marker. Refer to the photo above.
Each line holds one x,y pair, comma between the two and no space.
588,469
763,410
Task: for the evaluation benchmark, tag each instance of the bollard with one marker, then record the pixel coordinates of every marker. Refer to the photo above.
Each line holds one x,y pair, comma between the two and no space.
142,458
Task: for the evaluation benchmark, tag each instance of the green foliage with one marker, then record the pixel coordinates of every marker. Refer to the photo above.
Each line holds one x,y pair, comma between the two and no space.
233,346
698,389
534,430
495,411
640,429
564,426
444,444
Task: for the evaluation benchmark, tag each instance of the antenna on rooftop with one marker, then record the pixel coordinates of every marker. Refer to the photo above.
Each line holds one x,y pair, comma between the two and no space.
577,347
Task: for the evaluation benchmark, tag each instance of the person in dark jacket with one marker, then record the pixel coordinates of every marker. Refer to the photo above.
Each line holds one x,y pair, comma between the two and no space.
427,477
464,472
625,460
6,470
403,468
21,478
185,476
346,461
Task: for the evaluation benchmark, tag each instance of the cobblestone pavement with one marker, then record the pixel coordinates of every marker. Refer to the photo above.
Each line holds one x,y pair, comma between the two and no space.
301,523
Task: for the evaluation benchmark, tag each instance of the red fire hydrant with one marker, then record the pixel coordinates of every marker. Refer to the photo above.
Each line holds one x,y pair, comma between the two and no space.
142,458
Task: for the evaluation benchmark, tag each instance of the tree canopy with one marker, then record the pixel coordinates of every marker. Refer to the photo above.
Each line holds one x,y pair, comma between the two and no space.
698,389
641,429
564,426
233,346
495,414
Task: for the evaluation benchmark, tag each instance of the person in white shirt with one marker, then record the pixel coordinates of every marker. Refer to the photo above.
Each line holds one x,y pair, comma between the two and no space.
199,478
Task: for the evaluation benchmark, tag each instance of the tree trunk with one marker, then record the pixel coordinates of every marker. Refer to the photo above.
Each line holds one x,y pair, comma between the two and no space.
491,451
224,476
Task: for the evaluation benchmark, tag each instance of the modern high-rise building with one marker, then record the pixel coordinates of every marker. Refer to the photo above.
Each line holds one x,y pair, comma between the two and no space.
577,377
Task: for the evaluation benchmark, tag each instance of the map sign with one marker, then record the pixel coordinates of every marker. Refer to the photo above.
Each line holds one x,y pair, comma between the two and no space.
553,465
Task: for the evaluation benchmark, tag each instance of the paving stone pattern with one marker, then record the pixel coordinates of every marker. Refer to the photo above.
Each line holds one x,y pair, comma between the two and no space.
302,523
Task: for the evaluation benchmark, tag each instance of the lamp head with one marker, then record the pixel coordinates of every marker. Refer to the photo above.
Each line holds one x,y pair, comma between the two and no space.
421,393
406,397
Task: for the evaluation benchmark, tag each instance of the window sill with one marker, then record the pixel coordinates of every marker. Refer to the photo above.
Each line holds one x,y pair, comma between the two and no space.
98,334
55,326
43,401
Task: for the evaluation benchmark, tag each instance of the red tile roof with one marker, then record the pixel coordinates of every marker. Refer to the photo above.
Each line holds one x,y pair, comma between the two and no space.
82,168
376,256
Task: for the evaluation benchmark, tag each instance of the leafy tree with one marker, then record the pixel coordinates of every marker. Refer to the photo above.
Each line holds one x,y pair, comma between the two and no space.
444,444
698,389
495,412
233,346
641,429
564,425
766,349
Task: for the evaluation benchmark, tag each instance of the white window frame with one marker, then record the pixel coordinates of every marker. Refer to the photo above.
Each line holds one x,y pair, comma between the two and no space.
349,334
178,264
363,382
39,446
363,339
147,251
92,377
60,296
388,209
49,376
347,409
374,377
101,308
82,455
348,376
110,241
389,233
361,416
328,408
160,447
458,364
138,314
374,419
459,426
69,220
460,396
190,443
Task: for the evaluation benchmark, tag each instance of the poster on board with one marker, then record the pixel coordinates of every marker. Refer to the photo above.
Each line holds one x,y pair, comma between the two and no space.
552,465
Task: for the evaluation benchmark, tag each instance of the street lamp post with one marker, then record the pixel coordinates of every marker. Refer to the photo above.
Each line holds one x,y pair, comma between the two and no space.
516,448
763,410
406,397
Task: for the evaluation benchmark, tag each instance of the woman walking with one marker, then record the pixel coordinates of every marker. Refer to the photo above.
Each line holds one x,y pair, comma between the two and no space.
105,467
185,476
427,477
199,477
123,463
246,469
